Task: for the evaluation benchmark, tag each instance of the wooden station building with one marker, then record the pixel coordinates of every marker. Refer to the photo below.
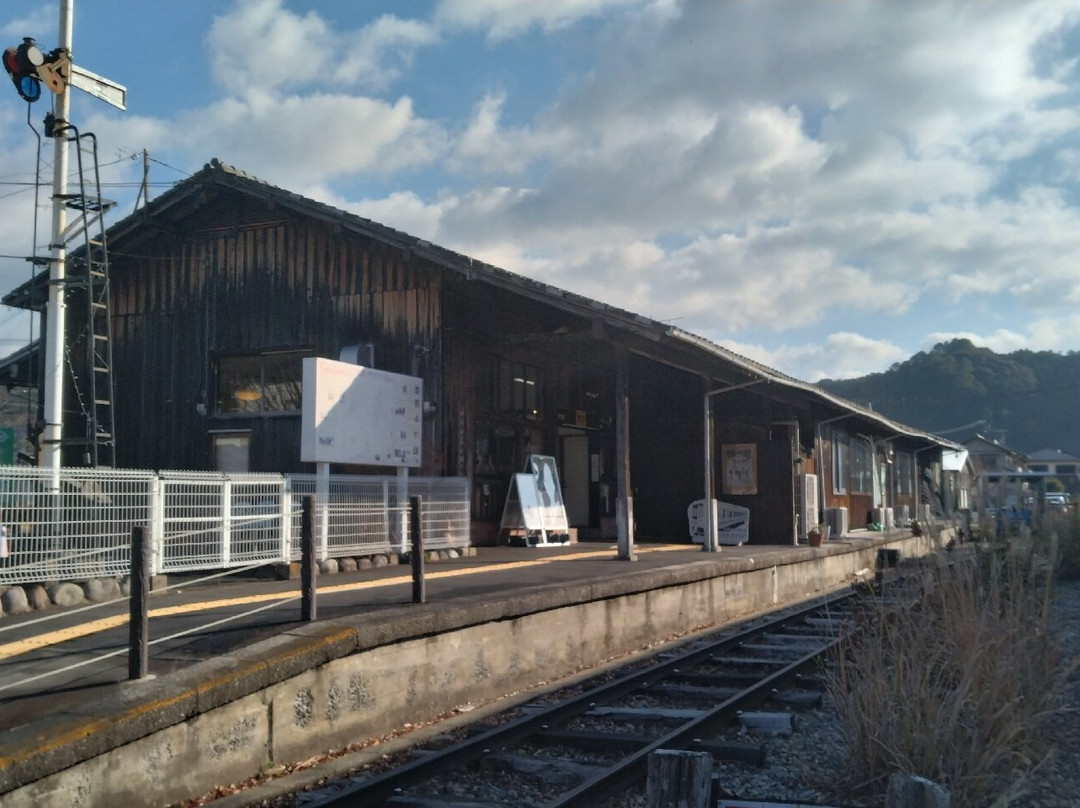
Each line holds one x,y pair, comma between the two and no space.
219,288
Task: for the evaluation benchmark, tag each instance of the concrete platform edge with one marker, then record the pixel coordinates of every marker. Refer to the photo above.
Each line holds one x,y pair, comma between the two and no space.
141,709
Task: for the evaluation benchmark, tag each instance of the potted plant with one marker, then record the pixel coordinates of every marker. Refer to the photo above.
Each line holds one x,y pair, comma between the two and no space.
816,534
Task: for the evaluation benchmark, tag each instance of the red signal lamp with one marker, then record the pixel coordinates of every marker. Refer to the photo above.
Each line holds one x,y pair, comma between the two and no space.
22,65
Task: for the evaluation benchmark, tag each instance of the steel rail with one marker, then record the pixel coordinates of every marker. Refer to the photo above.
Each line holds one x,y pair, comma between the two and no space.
384,787
633,767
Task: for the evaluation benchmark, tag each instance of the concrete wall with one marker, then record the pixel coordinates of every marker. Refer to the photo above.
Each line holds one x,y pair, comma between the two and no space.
218,723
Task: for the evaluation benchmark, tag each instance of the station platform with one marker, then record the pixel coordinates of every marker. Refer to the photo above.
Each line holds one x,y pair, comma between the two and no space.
268,688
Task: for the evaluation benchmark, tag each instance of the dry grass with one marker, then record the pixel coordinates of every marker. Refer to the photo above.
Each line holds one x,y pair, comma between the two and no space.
1062,531
952,678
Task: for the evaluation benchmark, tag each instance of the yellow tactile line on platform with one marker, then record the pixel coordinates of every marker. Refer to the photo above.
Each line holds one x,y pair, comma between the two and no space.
18,647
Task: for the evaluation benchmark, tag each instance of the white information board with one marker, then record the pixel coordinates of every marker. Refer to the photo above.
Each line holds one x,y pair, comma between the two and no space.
353,414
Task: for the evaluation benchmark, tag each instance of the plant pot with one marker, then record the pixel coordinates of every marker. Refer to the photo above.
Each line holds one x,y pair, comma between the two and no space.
815,539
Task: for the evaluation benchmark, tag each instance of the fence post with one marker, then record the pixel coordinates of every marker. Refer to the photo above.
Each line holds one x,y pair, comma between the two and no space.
156,520
322,488
387,532
286,505
139,618
416,530
226,521
307,560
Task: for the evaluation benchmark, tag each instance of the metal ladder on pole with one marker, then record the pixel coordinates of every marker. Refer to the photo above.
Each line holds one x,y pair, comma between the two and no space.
89,273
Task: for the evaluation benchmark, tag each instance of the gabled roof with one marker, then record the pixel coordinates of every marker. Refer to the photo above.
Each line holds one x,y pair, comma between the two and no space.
980,444
1052,456
190,194
20,369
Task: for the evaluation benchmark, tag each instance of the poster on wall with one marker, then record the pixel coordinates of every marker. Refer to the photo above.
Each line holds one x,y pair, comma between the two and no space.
739,462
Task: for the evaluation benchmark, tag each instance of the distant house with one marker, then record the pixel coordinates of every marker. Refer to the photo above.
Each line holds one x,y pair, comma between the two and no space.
221,287
1008,478
988,455
1059,465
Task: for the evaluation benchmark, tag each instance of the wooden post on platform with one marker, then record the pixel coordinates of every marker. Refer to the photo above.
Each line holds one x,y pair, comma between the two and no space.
308,608
139,605
710,543
678,777
624,503
416,533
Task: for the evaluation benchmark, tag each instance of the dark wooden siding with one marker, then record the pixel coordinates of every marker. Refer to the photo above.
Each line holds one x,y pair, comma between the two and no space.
483,326
667,450
743,417
246,278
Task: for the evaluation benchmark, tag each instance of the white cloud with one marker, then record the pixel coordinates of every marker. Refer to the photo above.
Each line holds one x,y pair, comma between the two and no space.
403,211
294,141
18,172
367,53
488,149
728,166
843,355
507,18
1054,333
850,167
35,23
1000,341
1059,333
259,46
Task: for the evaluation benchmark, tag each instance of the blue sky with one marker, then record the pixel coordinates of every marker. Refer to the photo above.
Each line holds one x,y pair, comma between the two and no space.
827,187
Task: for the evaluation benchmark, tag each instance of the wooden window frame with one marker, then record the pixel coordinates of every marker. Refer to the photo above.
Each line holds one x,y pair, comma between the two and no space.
252,383
517,389
862,467
841,461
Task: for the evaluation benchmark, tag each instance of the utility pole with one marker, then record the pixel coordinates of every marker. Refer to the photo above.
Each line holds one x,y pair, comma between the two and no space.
55,312
145,177
30,68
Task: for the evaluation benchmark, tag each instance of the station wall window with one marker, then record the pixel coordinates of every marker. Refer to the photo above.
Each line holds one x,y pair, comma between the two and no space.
839,462
518,388
1038,467
905,474
1065,468
862,467
260,383
231,451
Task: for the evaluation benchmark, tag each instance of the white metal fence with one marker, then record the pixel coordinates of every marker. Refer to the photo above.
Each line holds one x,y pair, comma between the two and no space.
78,525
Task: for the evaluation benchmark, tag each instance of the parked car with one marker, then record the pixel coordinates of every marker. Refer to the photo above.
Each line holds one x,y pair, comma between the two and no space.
1057,501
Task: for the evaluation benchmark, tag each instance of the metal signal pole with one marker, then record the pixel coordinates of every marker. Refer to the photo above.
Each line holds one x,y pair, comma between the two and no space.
55,311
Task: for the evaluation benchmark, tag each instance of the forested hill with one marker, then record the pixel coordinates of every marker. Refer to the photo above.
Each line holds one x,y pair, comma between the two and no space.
1033,398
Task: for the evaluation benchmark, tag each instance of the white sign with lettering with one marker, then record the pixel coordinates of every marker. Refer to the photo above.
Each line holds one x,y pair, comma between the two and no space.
358,415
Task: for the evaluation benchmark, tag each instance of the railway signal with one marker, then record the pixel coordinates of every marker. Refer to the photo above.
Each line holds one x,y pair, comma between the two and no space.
22,65
29,68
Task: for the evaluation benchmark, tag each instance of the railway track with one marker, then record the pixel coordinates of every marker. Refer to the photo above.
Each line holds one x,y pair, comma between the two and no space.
582,748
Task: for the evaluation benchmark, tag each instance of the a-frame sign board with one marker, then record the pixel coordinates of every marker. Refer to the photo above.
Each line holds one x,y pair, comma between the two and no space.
534,506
